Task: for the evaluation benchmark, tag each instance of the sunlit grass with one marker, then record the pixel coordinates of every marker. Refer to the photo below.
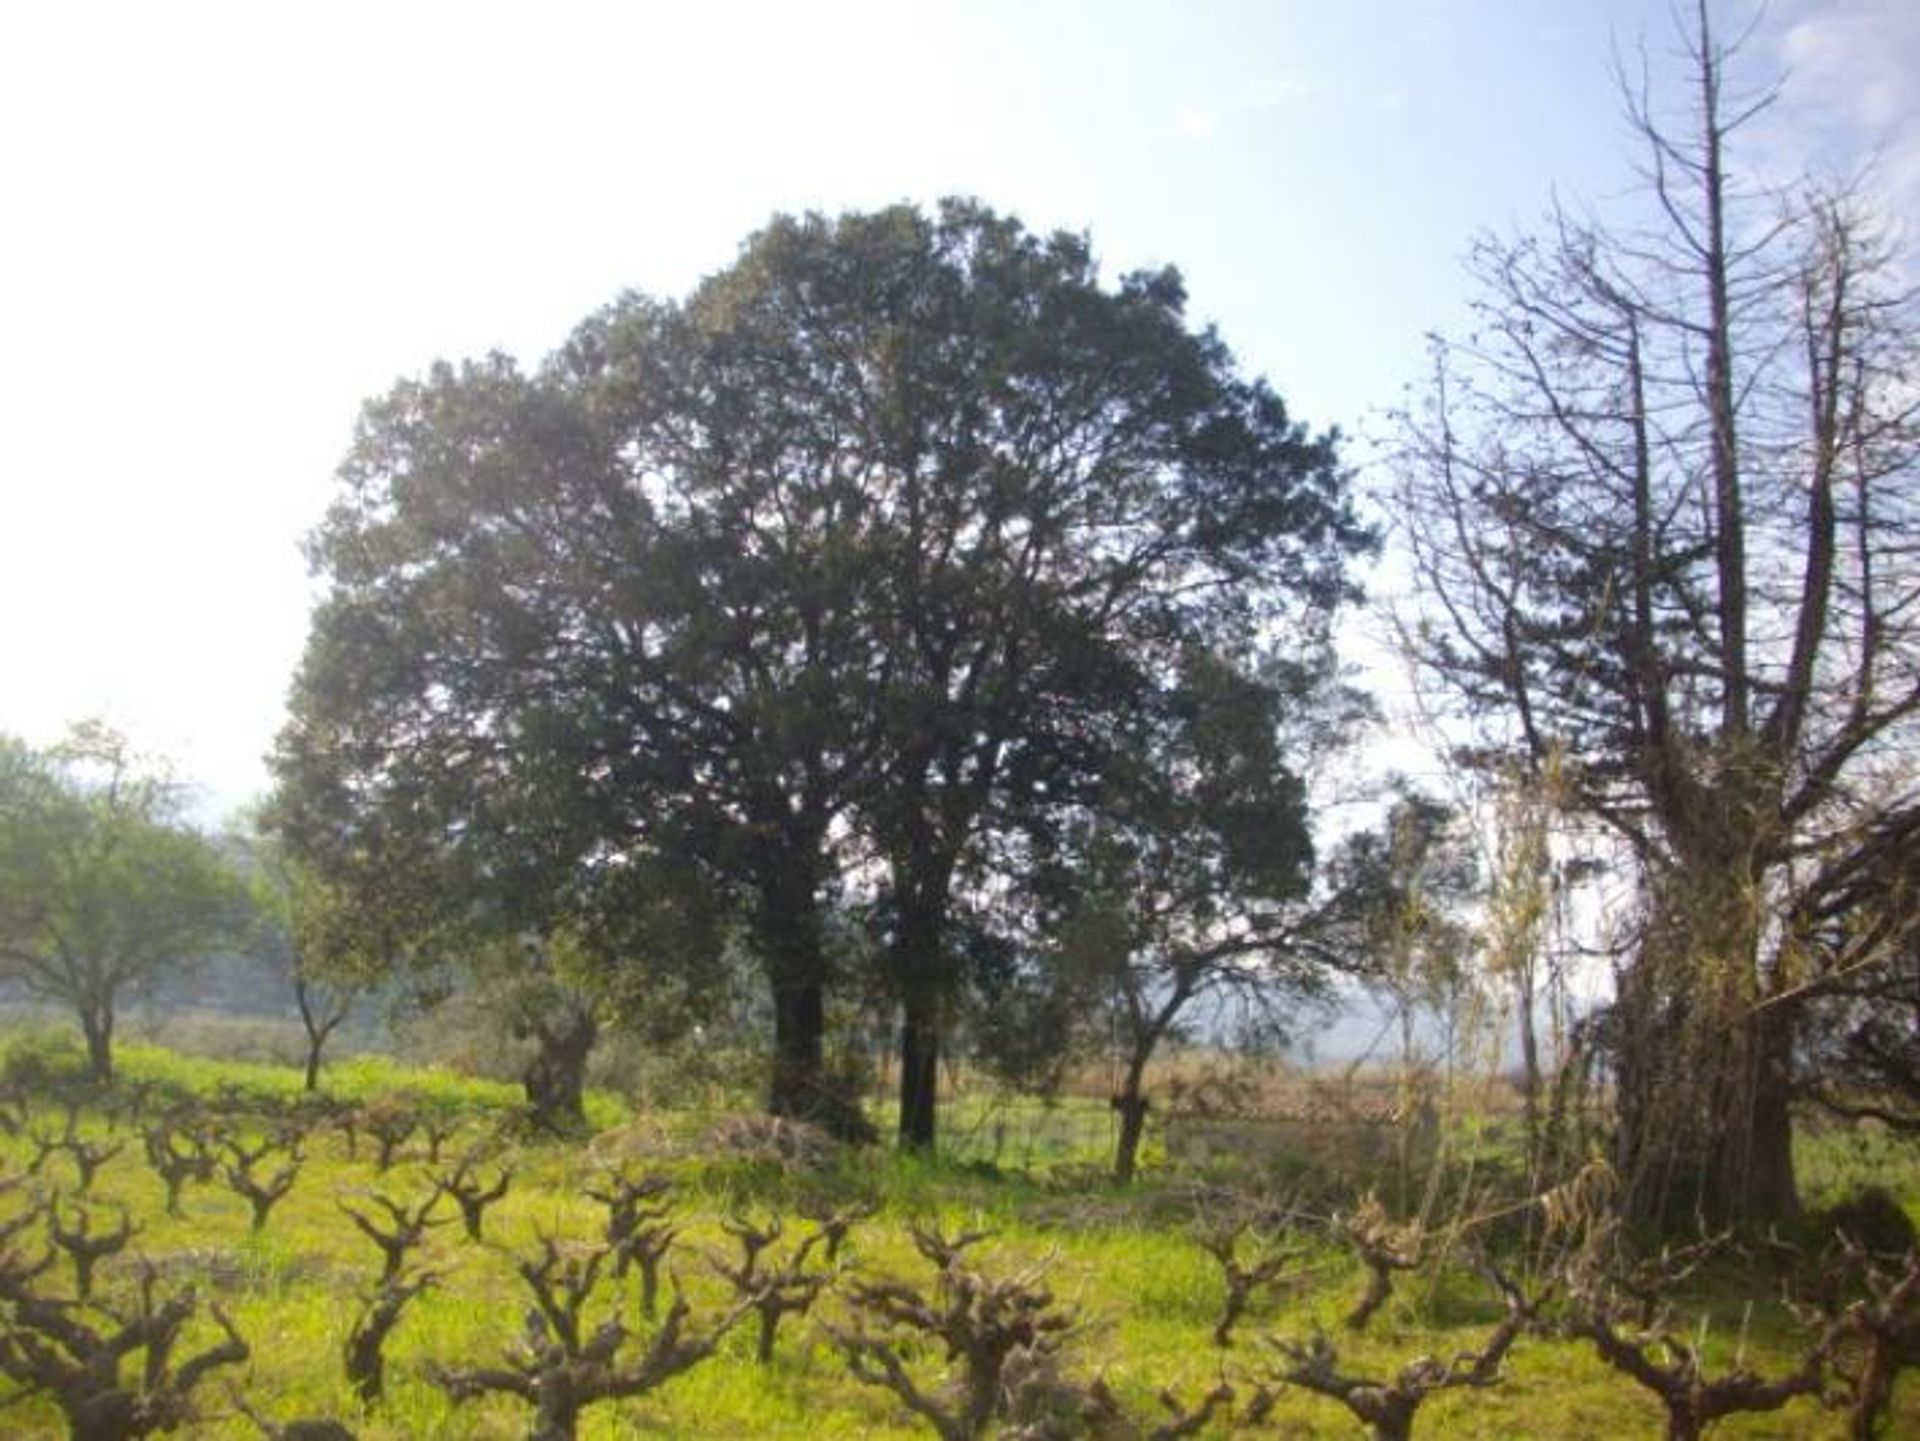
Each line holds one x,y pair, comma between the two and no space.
1124,1262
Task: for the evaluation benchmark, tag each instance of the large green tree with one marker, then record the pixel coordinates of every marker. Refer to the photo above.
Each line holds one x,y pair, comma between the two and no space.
1066,487
587,627
820,577
1662,504
102,886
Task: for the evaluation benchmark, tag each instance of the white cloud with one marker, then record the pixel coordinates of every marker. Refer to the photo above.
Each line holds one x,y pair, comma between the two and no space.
1862,55
1855,63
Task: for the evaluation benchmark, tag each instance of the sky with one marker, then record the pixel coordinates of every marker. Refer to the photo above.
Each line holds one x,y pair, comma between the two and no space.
224,227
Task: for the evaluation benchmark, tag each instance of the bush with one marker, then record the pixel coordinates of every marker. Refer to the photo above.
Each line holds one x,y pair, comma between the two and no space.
1870,1218
43,1060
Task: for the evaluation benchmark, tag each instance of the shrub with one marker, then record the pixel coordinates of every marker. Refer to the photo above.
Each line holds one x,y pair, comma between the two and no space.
43,1061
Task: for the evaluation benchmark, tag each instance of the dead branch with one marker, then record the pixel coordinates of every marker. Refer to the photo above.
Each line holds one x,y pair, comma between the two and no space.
49,1348
1388,1408
1883,1327
560,1372
87,1156
470,1193
261,1192
1107,1419
1384,1246
409,1229
178,1154
638,1231
832,1223
771,1292
364,1352
85,1248
391,1124
1654,1357
983,1323
1221,1240
303,1430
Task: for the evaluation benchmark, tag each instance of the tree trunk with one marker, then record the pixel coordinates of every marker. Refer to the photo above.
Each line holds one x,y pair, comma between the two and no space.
789,929
556,1077
922,977
919,1069
1530,1076
1754,1179
790,938
1704,1066
96,1024
1132,1104
799,1045
317,1025
557,1416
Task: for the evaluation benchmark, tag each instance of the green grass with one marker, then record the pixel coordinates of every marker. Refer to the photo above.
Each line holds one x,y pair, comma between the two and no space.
1123,1262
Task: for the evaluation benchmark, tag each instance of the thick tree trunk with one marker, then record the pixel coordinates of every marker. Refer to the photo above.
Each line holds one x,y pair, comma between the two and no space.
557,1417
1754,1177
1705,1068
799,1044
556,1078
96,1024
800,1087
1132,1106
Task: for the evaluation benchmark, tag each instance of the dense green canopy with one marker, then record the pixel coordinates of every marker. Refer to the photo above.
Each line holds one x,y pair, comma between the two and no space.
832,581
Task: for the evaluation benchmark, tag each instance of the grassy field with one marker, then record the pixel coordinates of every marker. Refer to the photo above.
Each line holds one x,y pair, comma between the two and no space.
1141,1293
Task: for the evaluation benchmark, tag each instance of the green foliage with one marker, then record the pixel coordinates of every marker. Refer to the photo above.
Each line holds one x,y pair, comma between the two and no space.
42,1061
839,576
1869,1218
101,886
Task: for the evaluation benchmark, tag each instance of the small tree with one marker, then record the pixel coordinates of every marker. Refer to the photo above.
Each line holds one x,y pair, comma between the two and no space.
1406,882
1190,882
1388,1406
312,932
101,886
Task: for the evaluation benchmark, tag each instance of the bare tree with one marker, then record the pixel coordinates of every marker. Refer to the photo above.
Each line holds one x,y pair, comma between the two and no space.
49,1347
991,1328
408,1231
1661,508
1388,1407
472,1194
559,1368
